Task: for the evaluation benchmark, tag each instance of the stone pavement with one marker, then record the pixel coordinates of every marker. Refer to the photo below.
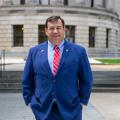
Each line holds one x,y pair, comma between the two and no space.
12,107
108,105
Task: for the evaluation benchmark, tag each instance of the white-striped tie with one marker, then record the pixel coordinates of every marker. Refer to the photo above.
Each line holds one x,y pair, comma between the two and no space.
56,59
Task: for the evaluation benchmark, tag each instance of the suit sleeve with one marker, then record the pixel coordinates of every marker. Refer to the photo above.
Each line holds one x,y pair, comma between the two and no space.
85,79
28,80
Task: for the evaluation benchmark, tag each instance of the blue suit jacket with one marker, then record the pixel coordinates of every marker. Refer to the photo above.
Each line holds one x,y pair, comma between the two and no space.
70,87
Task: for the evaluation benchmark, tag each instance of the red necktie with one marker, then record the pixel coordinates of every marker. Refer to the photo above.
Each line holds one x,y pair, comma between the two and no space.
56,59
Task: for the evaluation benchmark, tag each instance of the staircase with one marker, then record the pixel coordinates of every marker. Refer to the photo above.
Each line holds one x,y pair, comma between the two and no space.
104,81
10,81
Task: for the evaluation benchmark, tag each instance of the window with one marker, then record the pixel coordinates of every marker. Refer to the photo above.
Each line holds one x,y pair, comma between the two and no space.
0,66
41,34
108,31
48,2
40,2
92,3
22,2
117,38
65,2
17,35
92,36
104,3
70,33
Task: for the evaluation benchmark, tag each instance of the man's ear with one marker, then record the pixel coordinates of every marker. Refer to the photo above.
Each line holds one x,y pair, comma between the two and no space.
46,31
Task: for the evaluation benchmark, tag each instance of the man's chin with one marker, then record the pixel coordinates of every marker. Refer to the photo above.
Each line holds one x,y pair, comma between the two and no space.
56,42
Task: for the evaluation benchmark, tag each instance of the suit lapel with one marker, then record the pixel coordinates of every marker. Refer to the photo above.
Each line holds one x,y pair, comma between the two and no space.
66,51
44,56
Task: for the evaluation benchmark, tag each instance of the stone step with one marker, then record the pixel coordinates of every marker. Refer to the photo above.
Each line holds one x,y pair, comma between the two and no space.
11,74
10,81
103,81
10,85
106,78
106,89
10,90
107,84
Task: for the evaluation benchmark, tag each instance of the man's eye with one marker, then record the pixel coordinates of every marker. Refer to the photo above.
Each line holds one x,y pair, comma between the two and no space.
51,29
58,28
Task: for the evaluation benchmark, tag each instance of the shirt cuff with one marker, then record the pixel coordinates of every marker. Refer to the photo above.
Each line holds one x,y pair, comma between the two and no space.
29,104
83,105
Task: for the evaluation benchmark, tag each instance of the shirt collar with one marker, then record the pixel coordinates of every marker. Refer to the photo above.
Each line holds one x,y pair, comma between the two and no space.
52,46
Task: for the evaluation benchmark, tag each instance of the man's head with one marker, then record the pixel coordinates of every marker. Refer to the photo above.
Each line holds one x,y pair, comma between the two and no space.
55,29
53,19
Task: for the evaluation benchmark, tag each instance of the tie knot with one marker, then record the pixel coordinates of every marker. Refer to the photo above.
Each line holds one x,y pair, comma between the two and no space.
56,47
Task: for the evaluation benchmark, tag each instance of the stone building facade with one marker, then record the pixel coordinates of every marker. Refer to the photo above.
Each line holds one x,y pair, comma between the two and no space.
95,24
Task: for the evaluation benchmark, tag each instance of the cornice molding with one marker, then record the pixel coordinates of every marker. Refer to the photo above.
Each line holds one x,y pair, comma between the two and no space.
37,9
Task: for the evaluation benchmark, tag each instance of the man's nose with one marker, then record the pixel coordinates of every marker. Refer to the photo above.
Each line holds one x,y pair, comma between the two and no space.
55,30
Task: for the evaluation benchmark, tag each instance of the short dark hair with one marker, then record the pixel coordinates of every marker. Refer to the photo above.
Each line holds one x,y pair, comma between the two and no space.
52,19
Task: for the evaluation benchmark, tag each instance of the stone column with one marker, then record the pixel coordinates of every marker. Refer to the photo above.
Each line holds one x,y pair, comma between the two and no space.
44,2
110,4
5,33
81,35
16,2
82,2
30,35
87,3
100,37
112,39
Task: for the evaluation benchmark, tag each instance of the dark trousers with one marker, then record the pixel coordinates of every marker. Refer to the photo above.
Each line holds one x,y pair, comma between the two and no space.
54,114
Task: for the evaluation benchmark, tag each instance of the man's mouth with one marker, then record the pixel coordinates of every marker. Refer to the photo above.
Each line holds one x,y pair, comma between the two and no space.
55,36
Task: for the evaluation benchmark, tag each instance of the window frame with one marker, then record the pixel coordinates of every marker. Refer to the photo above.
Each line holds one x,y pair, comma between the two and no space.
18,35
92,35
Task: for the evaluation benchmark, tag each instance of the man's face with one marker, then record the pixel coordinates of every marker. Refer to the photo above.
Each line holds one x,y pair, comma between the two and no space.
55,32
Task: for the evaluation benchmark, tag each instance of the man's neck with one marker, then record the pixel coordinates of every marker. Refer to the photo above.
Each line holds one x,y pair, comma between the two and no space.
60,44
56,42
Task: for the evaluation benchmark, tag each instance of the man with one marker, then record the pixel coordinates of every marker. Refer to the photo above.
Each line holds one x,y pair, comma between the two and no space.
57,78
